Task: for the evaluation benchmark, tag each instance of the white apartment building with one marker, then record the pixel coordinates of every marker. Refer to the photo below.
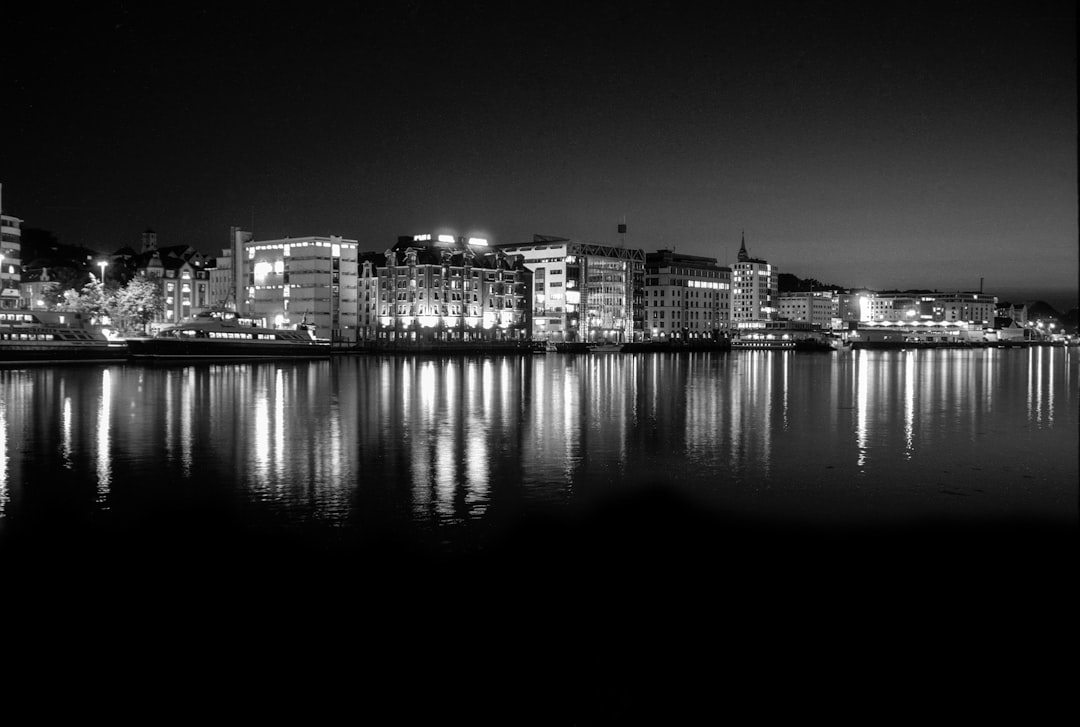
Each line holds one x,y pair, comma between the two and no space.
815,308
309,279
754,289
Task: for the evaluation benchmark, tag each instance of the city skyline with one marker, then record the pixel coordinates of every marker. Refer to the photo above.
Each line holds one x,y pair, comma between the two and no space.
893,147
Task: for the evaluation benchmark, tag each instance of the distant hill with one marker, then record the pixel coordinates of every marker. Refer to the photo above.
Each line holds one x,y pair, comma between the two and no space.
41,248
68,265
789,283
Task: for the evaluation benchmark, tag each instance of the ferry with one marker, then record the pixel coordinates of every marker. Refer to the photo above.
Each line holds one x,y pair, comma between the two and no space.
223,335
781,336
49,337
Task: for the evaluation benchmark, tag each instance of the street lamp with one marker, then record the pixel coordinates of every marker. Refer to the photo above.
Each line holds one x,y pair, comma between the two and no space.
103,265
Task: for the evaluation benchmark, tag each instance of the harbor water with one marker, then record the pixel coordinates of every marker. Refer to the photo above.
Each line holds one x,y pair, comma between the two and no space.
569,515
449,452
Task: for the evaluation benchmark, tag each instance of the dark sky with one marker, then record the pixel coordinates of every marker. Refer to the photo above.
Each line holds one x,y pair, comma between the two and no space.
889,145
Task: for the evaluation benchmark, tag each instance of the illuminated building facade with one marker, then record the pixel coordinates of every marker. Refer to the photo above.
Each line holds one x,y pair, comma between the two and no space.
296,280
815,308
687,297
447,289
367,295
906,307
10,260
754,290
583,291
181,271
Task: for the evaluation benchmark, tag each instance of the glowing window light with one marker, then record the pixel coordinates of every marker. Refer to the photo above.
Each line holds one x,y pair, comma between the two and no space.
478,241
279,267
335,250
428,321
262,269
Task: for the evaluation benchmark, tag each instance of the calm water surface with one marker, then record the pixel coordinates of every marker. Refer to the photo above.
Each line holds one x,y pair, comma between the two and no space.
444,450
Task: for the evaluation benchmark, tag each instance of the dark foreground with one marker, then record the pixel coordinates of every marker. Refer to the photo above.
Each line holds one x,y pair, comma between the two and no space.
646,607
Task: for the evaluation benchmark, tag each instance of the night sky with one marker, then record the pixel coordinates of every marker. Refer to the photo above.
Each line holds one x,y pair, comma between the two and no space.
888,145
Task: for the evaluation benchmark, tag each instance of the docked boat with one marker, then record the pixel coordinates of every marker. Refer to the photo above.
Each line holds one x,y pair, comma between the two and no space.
605,347
218,335
49,337
781,336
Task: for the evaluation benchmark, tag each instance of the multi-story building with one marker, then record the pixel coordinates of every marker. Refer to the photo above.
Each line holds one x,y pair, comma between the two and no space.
816,308
10,260
583,291
226,278
367,295
1016,312
445,289
973,308
286,282
933,307
180,270
687,297
754,287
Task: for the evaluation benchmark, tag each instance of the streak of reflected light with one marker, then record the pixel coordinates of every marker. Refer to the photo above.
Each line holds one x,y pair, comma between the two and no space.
862,399
65,433
186,406
278,425
104,463
909,404
4,496
261,437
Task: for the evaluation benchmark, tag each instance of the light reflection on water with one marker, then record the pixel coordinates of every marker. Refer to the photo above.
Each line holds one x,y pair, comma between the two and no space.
439,443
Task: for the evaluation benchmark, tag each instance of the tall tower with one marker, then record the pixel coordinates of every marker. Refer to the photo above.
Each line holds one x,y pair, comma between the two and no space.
753,290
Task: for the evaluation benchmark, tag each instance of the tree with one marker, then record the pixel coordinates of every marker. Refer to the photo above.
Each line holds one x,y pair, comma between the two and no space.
139,302
94,301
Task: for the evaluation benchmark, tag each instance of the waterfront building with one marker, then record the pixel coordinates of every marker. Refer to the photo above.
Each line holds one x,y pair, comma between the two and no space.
226,279
367,295
972,308
754,290
440,289
445,289
36,287
816,308
687,297
10,260
584,292
181,272
1016,312
308,280
914,306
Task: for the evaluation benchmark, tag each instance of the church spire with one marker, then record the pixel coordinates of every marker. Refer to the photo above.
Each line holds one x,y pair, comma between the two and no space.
743,256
